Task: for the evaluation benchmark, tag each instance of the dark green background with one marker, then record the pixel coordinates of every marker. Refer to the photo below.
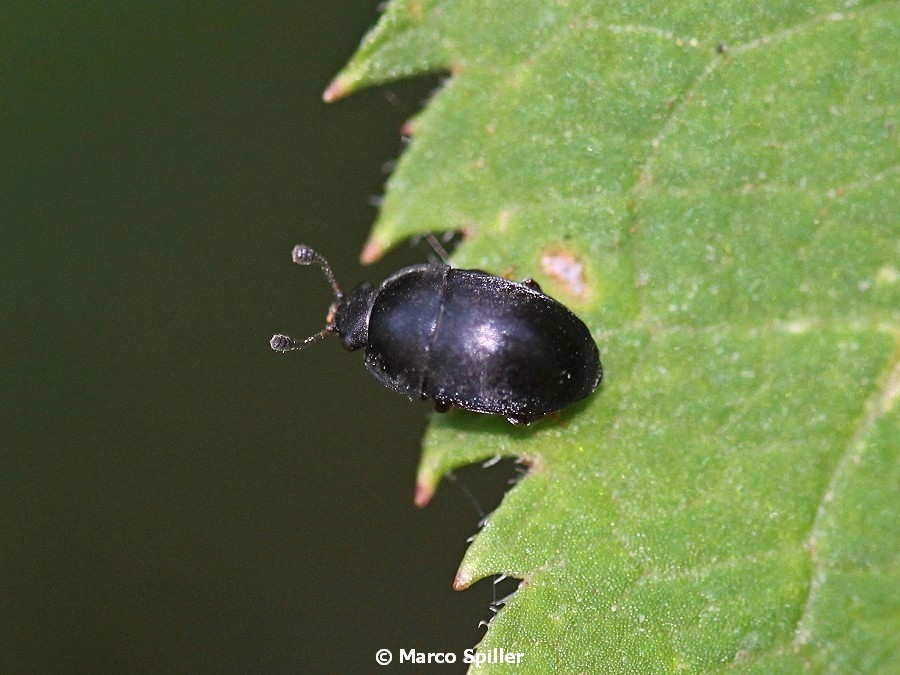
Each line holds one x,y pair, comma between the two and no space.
174,495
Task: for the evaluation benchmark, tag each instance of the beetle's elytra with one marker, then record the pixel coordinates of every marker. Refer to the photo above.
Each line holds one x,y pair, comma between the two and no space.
462,338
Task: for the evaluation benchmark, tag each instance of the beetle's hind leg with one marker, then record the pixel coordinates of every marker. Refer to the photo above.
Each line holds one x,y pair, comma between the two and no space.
441,244
533,285
441,407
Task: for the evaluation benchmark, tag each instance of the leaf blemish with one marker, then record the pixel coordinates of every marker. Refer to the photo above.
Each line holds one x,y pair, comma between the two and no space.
566,269
503,219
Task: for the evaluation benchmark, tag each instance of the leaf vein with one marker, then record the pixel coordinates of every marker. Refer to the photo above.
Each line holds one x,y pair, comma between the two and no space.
882,399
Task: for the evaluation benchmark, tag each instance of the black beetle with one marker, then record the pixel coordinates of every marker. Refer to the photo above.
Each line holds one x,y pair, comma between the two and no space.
462,338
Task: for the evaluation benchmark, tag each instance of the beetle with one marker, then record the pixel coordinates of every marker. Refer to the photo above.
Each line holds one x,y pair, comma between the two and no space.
462,338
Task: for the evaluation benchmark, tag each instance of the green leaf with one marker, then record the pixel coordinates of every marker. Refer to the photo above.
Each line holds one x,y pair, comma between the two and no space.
712,187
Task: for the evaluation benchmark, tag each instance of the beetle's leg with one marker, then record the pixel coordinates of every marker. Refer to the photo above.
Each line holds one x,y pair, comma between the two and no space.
285,343
532,284
520,421
438,248
441,407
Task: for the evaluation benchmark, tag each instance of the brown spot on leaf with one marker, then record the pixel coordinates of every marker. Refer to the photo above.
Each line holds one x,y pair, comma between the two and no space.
466,232
415,10
566,269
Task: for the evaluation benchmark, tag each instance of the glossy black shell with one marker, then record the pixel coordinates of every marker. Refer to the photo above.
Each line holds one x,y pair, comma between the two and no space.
472,340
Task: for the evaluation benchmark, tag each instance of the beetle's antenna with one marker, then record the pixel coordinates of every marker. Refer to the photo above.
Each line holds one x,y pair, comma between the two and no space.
304,255
285,343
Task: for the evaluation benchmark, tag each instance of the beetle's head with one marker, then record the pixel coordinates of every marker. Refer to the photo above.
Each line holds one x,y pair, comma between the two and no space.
348,315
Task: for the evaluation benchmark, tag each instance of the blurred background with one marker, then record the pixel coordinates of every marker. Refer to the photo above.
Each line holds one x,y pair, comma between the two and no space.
174,495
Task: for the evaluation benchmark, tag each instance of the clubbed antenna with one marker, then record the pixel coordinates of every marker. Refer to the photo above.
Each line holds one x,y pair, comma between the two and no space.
285,343
304,255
